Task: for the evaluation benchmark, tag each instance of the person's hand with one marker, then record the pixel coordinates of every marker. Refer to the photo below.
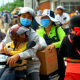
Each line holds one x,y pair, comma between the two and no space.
12,60
39,47
50,47
7,52
64,24
4,51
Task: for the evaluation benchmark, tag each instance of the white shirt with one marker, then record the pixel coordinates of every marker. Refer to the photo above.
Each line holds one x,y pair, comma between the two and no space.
64,18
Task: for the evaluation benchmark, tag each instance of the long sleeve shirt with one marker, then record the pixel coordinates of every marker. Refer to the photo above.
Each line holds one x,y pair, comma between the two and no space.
52,33
34,65
71,56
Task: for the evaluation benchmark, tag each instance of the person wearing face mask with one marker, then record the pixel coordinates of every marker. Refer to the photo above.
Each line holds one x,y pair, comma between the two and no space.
52,34
26,16
48,30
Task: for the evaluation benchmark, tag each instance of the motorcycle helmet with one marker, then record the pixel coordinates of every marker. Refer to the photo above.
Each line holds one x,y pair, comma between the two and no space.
61,8
17,30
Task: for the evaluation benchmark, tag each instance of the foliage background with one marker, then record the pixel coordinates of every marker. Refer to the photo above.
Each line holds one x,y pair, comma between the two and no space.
11,6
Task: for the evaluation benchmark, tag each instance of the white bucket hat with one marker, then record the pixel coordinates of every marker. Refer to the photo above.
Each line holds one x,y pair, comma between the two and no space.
50,14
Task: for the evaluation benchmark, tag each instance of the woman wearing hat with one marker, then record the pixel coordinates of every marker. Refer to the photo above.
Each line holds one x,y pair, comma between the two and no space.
48,30
52,34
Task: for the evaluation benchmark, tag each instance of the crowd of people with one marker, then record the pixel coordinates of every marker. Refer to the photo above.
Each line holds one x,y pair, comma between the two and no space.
64,37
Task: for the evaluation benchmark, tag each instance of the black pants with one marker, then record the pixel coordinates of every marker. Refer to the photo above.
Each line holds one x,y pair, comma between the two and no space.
34,76
61,67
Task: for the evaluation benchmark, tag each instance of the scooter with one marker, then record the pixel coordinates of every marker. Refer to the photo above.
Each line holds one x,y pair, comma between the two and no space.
4,58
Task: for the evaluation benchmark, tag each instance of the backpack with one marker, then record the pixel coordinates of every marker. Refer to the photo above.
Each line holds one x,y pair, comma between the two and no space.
51,40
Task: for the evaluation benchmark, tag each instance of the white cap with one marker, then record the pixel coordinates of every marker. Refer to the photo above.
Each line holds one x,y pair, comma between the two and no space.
50,14
27,9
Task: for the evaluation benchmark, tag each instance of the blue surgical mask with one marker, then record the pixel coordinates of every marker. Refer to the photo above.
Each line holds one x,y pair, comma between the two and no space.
25,22
45,23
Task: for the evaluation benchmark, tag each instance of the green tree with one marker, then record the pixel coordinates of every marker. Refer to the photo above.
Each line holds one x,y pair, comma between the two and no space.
11,6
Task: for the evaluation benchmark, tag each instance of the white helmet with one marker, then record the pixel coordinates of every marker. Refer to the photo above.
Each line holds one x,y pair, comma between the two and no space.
27,9
60,7
76,11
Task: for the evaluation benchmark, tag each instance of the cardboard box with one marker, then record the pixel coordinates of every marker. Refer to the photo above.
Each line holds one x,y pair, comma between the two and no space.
49,62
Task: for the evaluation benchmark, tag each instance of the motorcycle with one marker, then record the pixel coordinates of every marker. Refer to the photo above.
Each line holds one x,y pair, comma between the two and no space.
4,58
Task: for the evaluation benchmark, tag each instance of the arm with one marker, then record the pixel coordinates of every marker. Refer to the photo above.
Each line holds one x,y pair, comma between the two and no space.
32,51
62,49
61,56
61,35
67,20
